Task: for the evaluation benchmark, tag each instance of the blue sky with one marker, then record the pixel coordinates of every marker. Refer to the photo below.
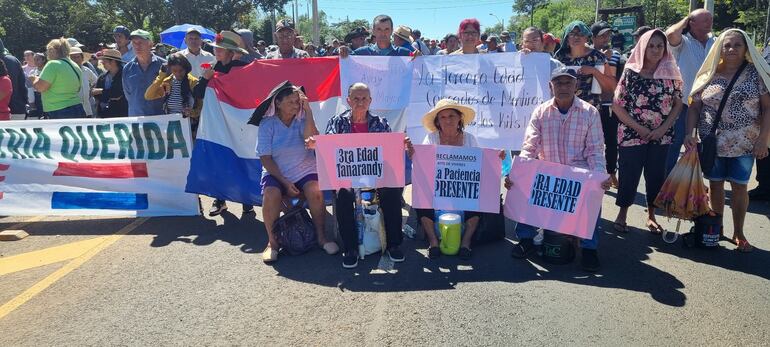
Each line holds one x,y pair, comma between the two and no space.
434,18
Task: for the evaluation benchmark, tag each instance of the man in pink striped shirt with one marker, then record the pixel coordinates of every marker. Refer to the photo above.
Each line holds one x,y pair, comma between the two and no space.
568,131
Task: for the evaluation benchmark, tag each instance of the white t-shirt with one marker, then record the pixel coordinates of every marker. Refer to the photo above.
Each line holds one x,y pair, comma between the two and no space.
197,60
468,139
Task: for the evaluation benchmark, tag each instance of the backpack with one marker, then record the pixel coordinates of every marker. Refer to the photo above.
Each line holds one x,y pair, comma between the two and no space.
706,232
295,231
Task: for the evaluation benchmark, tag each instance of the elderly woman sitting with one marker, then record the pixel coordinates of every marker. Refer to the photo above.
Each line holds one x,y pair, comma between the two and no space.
289,169
446,123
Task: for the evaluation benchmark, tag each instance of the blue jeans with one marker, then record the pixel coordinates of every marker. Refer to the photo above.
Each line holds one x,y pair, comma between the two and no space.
678,140
526,231
74,111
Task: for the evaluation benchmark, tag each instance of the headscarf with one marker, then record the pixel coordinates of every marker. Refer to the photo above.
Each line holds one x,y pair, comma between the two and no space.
667,68
709,67
564,49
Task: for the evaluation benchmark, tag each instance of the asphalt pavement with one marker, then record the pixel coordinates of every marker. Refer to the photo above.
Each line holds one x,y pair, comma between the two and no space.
200,281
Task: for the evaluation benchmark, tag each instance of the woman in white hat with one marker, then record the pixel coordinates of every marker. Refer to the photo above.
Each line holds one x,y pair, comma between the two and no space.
446,125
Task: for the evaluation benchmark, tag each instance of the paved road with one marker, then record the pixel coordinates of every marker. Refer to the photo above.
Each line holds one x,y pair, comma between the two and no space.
199,280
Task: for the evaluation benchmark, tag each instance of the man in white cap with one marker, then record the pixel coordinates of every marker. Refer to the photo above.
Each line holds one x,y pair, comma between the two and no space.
194,54
582,146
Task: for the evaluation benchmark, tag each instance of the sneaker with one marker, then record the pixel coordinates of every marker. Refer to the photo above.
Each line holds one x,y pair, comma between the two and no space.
523,249
395,255
248,209
590,260
217,207
349,260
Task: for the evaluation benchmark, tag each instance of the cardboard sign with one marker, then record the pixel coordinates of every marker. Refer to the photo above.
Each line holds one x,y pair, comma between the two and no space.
456,178
366,160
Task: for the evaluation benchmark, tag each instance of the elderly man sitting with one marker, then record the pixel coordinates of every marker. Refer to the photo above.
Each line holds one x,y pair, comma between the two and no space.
358,119
568,131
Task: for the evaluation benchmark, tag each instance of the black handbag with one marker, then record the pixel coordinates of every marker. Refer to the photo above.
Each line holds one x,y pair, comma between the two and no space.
707,149
295,230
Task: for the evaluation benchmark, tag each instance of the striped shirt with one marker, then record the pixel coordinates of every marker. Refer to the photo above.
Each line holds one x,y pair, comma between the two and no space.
174,102
574,139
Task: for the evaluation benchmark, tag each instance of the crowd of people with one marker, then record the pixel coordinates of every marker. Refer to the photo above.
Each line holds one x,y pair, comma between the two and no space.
626,114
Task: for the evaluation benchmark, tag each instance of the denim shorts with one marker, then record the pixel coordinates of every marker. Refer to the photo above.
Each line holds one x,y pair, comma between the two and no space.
736,170
270,181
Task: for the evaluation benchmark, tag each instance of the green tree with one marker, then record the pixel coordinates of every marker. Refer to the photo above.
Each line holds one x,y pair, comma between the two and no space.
152,15
216,14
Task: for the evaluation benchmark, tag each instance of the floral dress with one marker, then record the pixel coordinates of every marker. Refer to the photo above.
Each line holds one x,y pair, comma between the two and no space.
738,128
585,81
649,102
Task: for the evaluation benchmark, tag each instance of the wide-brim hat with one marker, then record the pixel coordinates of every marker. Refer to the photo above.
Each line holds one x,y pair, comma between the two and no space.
404,32
110,54
266,107
78,50
357,32
230,41
467,113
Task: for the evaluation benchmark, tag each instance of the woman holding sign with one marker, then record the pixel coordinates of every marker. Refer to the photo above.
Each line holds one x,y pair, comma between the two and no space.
647,100
289,169
446,126
742,129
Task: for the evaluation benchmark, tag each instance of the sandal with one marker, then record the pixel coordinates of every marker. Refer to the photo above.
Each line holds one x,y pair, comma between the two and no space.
743,246
620,227
269,255
655,228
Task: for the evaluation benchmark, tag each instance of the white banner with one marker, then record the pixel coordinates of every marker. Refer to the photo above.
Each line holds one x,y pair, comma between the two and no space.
104,167
503,88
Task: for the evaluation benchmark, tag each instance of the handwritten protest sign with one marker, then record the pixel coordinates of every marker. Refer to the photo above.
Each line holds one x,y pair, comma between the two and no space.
504,89
456,178
555,197
360,160
388,78
105,167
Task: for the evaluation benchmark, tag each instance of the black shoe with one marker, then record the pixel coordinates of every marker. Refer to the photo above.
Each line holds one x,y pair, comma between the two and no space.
759,194
523,249
350,260
590,260
434,252
217,207
465,253
247,209
395,255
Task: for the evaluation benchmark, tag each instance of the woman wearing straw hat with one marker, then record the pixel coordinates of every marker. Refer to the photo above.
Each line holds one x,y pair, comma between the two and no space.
110,100
743,129
446,125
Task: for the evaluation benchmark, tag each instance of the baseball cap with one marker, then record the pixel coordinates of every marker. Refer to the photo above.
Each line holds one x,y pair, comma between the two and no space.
284,24
563,71
600,27
493,38
74,42
121,30
193,30
141,34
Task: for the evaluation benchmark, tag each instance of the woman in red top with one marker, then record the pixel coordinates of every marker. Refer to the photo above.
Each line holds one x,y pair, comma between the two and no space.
6,89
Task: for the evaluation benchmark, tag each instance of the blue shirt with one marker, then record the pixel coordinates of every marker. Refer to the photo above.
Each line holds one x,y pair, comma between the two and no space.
387,51
286,145
342,123
129,55
135,83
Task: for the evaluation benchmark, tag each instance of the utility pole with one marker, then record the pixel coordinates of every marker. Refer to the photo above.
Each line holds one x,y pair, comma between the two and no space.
316,34
709,5
767,26
693,5
598,6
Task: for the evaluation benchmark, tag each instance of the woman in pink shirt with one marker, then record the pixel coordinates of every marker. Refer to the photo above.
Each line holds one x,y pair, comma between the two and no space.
6,89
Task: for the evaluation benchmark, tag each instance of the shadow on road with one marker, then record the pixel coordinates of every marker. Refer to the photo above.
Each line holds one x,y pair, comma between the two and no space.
622,257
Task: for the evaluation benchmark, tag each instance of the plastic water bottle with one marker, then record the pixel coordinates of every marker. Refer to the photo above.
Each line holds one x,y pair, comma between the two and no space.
538,241
408,231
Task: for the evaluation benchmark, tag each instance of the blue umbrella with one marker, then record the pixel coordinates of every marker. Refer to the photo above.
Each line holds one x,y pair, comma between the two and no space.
174,35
